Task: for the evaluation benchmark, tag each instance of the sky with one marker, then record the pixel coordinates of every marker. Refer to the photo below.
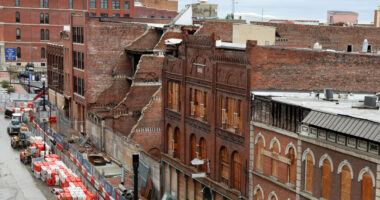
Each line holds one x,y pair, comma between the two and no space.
295,9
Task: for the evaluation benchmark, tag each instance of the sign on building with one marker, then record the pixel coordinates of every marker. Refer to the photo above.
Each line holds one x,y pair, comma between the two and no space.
10,53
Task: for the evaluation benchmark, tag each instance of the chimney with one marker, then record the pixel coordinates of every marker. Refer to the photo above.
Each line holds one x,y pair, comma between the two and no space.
329,94
370,101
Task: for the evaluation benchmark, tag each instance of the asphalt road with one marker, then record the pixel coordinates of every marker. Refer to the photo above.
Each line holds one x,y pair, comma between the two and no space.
16,180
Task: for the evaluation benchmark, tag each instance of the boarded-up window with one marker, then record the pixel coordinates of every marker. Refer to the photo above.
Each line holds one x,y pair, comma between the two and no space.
345,187
309,173
173,95
193,151
224,166
203,153
231,112
237,170
198,101
170,140
292,166
367,187
177,135
326,179
258,196
259,156
275,153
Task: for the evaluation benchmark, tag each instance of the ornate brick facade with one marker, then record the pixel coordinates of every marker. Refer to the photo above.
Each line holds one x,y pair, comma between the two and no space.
208,80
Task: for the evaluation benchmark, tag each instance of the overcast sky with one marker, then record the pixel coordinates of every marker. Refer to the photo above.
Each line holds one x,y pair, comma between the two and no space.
296,9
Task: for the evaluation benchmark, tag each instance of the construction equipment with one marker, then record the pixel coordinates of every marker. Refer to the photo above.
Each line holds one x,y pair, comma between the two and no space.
22,140
33,151
14,127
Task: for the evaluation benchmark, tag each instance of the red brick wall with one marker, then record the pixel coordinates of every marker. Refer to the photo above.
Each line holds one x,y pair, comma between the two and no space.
105,41
330,37
217,27
291,69
148,133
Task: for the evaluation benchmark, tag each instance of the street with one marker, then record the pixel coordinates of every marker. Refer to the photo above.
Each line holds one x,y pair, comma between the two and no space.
16,179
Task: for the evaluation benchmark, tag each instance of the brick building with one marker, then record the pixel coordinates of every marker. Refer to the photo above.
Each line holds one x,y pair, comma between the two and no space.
348,39
28,26
305,147
345,17
377,17
293,153
206,91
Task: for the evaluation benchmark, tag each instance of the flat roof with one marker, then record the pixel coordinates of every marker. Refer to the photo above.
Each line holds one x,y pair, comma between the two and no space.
344,104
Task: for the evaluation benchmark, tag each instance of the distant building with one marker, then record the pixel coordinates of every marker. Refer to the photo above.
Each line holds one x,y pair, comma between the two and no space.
264,35
346,17
289,21
377,17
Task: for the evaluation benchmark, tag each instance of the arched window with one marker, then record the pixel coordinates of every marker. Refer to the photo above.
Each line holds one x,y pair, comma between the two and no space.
326,179
309,168
224,166
42,34
367,187
18,53
258,193
43,56
41,18
259,156
236,170
193,149
18,34
275,154
17,17
170,140
345,185
203,153
177,135
47,37
293,166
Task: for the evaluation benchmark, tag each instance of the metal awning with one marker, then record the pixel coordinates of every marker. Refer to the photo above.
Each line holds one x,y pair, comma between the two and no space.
344,124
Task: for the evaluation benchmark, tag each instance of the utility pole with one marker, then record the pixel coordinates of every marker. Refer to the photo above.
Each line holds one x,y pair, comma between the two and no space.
135,159
43,96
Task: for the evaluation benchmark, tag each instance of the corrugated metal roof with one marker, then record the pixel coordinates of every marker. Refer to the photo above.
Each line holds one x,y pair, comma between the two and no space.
348,125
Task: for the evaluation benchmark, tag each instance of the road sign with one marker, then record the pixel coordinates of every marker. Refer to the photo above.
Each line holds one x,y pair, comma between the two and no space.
10,53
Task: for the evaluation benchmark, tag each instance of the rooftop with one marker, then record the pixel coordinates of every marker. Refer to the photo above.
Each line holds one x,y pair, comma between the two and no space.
341,12
344,104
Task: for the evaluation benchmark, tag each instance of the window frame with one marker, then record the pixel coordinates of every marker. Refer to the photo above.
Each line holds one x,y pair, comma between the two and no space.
42,34
92,4
103,4
43,53
46,18
115,4
18,34
128,7
47,34
17,3
18,53
18,17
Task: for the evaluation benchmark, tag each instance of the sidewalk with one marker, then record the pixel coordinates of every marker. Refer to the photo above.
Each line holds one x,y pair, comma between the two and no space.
18,87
